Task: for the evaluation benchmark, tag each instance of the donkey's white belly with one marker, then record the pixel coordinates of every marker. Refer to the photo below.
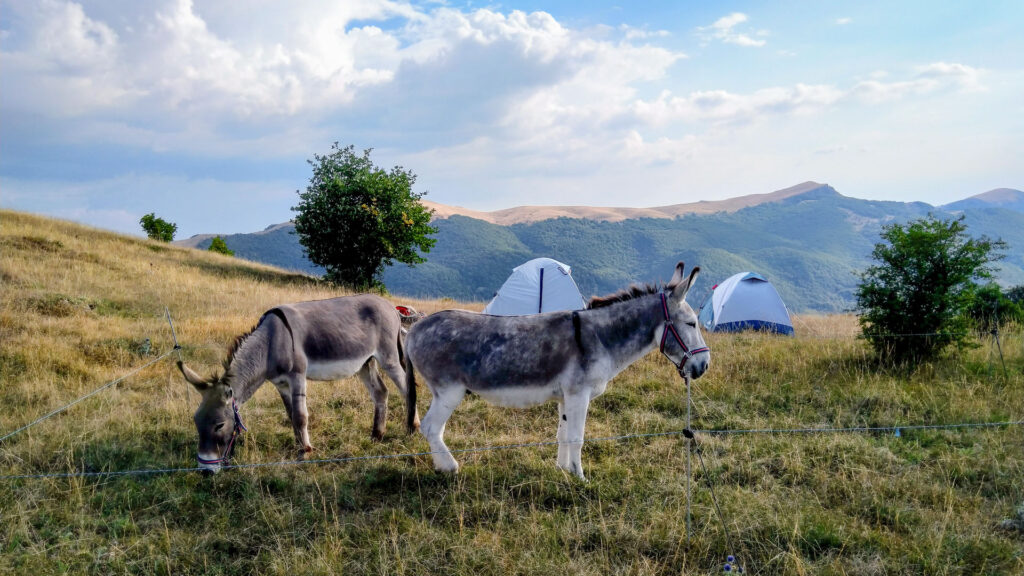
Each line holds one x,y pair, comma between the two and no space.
333,370
521,396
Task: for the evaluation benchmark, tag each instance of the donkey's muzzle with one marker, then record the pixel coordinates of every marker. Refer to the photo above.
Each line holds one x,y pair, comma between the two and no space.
209,467
696,366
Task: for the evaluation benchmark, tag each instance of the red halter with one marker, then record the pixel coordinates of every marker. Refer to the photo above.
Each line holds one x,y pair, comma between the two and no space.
671,328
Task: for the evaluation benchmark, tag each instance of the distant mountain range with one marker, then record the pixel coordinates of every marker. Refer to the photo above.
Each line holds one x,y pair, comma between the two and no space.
809,240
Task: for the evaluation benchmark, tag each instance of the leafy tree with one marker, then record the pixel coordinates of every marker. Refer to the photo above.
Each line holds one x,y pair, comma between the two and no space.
913,302
219,246
989,308
1016,294
355,218
158,228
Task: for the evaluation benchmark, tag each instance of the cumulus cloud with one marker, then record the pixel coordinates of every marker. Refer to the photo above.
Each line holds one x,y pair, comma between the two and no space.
175,72
723,29
464,96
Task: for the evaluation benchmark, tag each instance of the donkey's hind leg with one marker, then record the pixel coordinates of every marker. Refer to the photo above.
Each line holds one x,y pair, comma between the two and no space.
379,393
395,371
444,402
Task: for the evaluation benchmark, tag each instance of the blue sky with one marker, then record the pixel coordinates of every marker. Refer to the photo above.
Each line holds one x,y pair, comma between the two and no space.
206,112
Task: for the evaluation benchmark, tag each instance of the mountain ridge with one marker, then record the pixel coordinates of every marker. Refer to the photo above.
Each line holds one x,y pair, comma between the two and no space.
809,240
1008,198
525,214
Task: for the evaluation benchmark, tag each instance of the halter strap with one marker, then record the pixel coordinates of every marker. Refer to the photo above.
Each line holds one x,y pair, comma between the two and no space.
234,434
671,328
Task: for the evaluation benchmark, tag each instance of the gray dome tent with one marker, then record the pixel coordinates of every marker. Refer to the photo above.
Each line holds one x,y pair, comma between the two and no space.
540,285
745,301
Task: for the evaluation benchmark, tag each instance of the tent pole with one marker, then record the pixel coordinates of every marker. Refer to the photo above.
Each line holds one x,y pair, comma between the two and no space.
540,302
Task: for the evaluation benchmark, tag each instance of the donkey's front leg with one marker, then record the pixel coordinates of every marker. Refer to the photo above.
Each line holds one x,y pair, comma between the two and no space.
284,389
300,415
575,410
560,436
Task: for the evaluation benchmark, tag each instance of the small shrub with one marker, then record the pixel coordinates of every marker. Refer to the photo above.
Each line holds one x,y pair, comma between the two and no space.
219,246
989,308
158,228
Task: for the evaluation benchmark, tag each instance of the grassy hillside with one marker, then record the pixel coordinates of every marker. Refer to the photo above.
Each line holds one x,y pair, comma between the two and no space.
77,305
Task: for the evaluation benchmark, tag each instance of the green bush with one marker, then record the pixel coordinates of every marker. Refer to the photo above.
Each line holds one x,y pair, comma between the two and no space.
989,308
914,302
219,246
158,228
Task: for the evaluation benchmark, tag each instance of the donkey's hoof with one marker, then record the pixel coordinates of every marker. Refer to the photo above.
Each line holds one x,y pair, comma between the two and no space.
452,468
377,436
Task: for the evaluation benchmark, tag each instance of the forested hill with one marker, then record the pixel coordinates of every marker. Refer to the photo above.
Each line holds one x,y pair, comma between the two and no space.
812,246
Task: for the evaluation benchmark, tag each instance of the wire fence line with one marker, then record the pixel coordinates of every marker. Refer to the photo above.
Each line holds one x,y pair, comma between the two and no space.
719,432
89,395
896,430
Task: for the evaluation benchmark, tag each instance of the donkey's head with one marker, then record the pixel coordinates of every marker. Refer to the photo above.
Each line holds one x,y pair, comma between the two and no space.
681,339
217,419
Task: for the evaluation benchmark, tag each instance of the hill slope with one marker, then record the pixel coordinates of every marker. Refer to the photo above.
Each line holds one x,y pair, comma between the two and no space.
809,240
77,305
1007,198
528,214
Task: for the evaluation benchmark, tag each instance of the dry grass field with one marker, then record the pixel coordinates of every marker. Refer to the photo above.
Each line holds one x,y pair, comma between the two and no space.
77,306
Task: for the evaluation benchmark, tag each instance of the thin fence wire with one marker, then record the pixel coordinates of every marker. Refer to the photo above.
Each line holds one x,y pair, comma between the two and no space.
719,432
504,447
89,395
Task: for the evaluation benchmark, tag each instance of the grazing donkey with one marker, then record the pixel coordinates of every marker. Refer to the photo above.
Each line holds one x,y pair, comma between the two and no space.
319,340
569,357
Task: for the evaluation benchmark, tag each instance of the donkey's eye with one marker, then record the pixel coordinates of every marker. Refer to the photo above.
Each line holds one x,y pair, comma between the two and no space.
691,324
218,427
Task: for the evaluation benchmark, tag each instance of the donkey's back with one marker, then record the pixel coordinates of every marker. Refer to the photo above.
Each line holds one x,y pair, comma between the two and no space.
333,338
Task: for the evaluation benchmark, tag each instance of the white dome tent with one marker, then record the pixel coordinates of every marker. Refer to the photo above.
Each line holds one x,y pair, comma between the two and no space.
745,301
540,285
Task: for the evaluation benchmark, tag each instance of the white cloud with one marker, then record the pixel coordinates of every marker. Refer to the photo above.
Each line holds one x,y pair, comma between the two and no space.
723,30
843,21
632,33
801,99
518,104
930,78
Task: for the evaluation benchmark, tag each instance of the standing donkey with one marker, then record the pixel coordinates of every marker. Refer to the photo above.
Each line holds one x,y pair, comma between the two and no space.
319,340
568,357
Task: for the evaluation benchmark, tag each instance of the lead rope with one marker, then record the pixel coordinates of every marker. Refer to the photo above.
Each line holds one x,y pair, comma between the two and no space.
731,558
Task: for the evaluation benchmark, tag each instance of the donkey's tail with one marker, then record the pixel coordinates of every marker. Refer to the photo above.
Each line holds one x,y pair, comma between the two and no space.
412,418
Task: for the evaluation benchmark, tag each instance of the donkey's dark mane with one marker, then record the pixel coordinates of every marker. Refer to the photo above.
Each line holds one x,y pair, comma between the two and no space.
236,345
631,293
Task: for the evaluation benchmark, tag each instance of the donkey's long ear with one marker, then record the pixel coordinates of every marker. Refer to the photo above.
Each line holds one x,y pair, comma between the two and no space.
680,289
194,379
677,276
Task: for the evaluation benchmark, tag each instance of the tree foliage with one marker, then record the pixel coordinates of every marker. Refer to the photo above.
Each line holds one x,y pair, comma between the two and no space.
158,228
355,218
990,308
913,303
1016,294
219,246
